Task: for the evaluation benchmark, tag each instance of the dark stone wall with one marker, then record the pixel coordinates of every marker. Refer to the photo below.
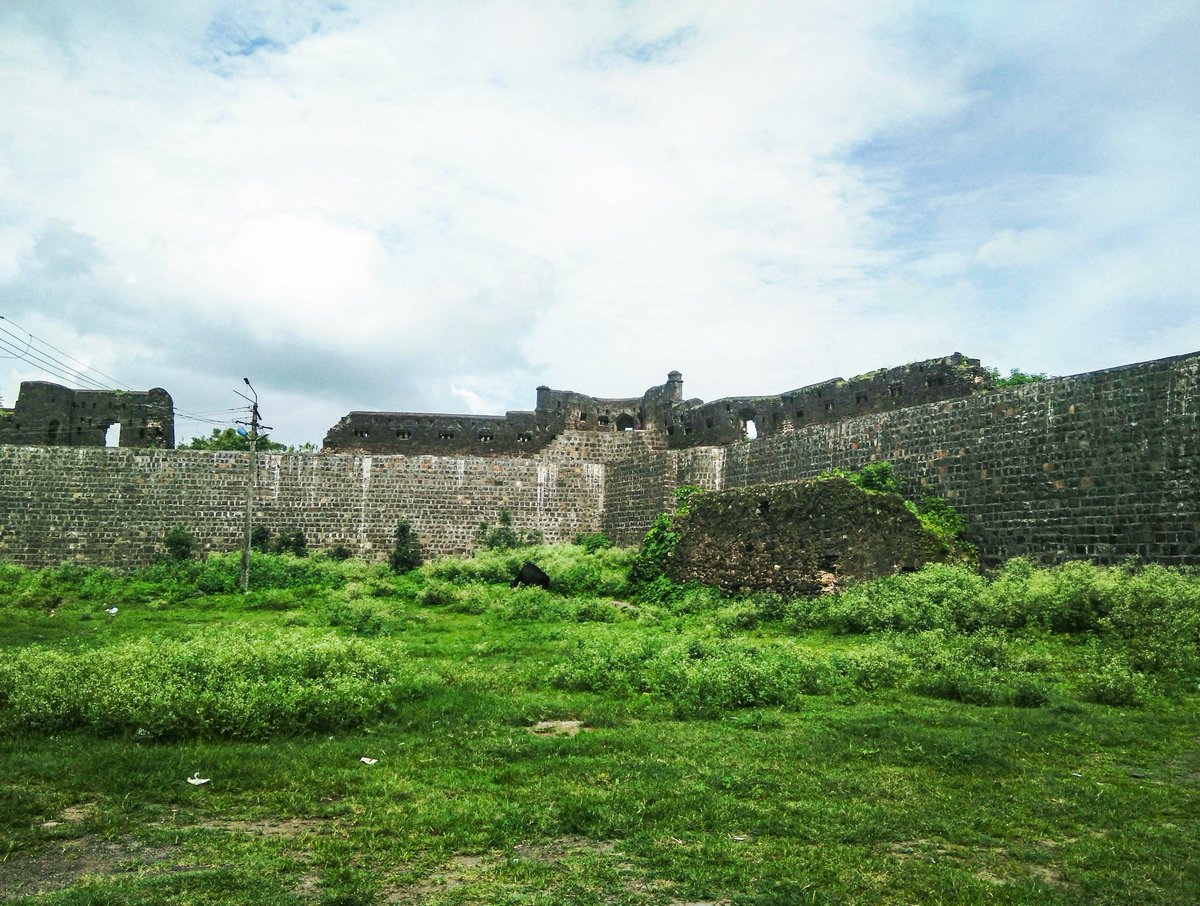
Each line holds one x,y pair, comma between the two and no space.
112,507
800,538
661,412
1102,466
725,421
512,434
50,414
427,433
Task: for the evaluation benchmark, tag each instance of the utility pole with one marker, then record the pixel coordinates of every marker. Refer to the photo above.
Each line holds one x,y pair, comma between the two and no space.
250,479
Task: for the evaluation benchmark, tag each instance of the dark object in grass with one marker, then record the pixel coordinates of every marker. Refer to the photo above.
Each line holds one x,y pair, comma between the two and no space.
531,574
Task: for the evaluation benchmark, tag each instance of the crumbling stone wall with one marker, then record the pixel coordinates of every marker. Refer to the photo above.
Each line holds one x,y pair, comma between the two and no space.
727,421
113,507
513,434
53,415
661,412
1101,466
800,538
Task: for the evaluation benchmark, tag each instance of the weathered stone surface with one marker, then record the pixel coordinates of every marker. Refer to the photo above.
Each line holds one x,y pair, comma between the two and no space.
1100,466
660,412
799,538
53,415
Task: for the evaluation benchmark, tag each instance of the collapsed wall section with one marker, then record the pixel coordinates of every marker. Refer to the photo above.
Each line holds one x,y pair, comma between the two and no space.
800,538
112,507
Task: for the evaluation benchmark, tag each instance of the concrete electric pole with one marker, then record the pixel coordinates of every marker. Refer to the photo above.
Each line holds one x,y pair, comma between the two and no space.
250,479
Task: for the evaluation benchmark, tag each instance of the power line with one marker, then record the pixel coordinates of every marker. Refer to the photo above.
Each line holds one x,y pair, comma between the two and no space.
42,342
63,371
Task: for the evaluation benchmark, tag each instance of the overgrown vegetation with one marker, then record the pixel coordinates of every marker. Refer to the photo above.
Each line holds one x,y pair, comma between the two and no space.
406,548
1016,377
660,541
935,515
503,536
230,439
939,736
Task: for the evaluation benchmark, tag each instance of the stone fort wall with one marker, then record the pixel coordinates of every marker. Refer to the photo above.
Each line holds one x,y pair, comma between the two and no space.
113,506
1103,465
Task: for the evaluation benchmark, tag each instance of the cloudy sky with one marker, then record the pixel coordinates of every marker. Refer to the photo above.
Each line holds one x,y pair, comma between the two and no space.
437,206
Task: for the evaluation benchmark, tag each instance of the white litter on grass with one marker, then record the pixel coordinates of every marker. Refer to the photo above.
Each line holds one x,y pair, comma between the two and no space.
197,780
111,611
366,760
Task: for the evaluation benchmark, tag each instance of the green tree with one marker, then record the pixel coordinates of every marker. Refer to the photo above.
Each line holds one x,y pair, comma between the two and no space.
406,549
229,439
1016,377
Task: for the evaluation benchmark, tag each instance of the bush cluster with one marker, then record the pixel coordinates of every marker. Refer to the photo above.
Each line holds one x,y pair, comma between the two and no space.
573,570
503,536
223,685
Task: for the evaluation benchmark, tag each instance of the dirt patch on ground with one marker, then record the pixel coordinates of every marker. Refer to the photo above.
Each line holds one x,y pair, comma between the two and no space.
557,728
62,863
462,870
271,827
1001,867
72,814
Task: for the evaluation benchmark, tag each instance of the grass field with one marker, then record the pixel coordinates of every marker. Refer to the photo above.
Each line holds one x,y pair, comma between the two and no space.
940,737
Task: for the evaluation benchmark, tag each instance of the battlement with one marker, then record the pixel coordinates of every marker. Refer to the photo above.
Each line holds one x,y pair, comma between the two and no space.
661,411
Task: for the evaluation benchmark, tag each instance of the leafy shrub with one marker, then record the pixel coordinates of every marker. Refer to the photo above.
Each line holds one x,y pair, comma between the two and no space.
876,476
981,669
593,541
535,604
292,542
1109,679
698,677
260,539
872,669
595,612
572,570
226,684
604,666
221,574
1069,598
1155,612
339,552
361,617
503,536
937,596
436,594
179,543
405,554
660,541
941,518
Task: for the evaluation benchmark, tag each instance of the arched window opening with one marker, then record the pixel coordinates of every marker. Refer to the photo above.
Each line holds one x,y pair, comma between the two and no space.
625,422
112,437
749,429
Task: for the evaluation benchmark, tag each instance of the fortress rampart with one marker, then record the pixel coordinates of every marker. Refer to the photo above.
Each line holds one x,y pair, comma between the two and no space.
1104,466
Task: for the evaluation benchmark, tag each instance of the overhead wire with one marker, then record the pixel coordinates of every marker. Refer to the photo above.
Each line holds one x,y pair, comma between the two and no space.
33,354
49,345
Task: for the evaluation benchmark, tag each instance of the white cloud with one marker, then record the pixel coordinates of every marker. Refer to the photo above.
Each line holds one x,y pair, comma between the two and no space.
437,204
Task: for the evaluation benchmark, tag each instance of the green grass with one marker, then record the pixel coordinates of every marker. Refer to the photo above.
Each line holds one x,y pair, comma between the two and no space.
1024,738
